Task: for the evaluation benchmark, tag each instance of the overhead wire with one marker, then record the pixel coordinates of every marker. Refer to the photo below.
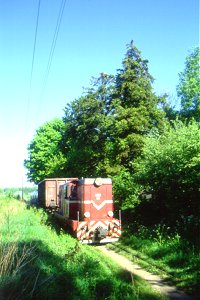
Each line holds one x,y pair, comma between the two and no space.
34,45
53,46
50,59
32,63
31,79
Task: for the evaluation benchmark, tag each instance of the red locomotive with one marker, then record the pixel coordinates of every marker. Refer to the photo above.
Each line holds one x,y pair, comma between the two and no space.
86,207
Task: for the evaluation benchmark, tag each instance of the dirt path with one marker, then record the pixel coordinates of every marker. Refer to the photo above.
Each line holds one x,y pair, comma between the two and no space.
154,280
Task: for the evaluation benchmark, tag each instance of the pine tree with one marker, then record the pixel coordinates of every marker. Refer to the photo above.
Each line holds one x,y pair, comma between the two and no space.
135,110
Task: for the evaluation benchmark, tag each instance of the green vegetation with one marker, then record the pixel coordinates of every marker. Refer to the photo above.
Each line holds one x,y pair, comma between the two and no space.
168,170
103,131
188,88
162,252
17,193
36,262
46,159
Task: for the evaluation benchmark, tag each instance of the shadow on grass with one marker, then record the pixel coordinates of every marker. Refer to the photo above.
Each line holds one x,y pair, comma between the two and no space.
40,276
46,276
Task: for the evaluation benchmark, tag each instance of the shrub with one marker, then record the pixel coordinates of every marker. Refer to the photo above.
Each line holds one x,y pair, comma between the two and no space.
169,170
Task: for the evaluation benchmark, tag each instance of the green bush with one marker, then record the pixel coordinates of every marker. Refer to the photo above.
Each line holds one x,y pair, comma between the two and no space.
126,191
169,170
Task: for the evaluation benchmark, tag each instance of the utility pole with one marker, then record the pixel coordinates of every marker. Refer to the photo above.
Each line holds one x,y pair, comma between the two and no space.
22,189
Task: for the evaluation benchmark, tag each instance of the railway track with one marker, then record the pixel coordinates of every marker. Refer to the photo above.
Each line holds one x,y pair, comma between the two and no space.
155,281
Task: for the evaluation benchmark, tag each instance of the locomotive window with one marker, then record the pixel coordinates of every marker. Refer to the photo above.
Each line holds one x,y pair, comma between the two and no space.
73,192
66,192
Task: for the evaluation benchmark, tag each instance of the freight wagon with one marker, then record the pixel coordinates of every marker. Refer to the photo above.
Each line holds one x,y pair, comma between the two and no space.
48,192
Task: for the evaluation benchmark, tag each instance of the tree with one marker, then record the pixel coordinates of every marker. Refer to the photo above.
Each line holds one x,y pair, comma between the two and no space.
86,129
169,169
135,111
188,88
45,157
103,131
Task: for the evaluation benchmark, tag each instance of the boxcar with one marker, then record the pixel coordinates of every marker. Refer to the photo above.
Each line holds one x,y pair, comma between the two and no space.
48,192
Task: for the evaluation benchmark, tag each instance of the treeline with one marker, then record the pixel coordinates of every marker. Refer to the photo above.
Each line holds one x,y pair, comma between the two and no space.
120,128
17,193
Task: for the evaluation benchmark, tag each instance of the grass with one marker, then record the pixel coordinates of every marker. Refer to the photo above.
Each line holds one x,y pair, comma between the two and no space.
165,254
38,262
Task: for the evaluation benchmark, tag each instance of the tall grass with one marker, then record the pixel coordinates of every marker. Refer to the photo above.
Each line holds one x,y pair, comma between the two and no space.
36,262
14,263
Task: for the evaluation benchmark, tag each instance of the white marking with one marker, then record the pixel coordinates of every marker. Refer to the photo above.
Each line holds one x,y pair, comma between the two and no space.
91,181
82,224
98,196
99,223
98,207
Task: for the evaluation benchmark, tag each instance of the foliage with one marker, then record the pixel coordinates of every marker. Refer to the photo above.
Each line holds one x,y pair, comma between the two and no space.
45,158
169,170
86,129
126,191
135,110
102,132
188,88
17,193
50,265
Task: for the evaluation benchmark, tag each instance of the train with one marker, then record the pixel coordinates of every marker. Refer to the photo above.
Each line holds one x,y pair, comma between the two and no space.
84,206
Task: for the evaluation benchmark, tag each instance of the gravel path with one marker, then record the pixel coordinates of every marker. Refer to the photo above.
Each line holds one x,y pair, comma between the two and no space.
154,280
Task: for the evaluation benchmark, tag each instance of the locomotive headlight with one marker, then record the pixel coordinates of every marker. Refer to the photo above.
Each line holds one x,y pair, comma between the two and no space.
115,229
110,213
87,214
98,182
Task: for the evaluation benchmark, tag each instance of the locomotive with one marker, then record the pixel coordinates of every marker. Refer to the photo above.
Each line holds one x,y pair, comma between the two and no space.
85,206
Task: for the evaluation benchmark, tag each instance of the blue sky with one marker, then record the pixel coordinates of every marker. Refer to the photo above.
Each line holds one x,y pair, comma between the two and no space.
92,39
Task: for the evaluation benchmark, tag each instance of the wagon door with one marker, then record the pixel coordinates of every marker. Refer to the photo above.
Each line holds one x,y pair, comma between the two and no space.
51,195
58,184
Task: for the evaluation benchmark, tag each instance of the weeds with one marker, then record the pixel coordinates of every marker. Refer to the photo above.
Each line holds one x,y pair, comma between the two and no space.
136,289
15,259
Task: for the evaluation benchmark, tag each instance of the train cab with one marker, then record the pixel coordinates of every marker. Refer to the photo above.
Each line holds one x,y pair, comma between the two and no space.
86,206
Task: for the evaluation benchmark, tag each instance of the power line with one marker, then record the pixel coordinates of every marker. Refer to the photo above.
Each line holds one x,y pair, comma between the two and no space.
32,63
34,45
50,59
31,73
53,46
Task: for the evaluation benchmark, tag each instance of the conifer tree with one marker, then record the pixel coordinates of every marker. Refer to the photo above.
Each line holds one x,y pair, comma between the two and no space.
135,110
86,129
